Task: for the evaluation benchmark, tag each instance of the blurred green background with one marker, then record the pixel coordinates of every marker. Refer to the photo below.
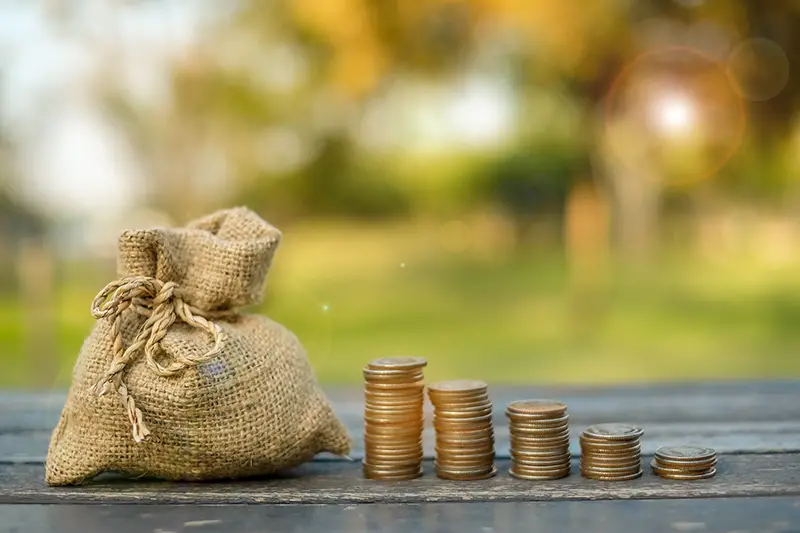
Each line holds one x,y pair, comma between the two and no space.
527,191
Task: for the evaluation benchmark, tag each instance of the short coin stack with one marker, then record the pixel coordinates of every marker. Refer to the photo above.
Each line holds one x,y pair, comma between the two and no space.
684,462
464,433
393,418
539,431
611,452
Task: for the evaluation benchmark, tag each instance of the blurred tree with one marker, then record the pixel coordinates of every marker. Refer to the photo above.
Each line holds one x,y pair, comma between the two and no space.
264,109
532,185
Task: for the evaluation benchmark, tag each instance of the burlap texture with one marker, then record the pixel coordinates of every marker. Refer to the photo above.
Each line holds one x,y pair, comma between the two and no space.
251,407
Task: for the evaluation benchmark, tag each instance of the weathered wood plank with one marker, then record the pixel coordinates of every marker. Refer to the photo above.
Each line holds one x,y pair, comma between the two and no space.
342,482
721,515
720,402
725,437
733,418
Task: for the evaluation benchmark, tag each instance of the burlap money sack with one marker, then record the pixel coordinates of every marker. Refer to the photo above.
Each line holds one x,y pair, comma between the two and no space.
175,381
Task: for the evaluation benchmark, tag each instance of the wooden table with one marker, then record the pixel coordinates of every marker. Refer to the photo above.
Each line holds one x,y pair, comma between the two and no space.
755,428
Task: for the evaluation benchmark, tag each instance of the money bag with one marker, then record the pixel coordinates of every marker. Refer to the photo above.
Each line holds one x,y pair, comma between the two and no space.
176,381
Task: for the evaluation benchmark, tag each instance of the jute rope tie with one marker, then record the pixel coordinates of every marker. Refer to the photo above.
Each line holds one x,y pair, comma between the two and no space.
162,303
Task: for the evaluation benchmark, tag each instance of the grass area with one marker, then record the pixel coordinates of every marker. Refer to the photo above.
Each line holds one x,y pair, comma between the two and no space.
351,296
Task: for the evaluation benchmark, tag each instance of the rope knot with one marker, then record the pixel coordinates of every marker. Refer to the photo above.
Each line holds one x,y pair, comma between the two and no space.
162,304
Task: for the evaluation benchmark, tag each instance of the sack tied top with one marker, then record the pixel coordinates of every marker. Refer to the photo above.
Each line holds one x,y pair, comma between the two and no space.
197,275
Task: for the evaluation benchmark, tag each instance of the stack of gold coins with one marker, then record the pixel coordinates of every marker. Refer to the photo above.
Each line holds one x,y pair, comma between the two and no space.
393,418
539,431
611,452
684,462
464,432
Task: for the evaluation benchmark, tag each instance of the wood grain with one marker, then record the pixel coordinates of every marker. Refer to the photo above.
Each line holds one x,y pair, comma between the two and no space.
731,417
719,515
692,402
341,482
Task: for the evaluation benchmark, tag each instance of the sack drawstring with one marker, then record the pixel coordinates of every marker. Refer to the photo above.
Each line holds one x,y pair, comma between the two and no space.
163,305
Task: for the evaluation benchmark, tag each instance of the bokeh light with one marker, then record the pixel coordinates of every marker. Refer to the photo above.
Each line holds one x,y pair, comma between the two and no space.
672,116
759,69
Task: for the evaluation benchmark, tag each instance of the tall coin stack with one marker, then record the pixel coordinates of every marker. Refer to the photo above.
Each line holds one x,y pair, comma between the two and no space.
464,432
539,431
684,462
611,452
393,418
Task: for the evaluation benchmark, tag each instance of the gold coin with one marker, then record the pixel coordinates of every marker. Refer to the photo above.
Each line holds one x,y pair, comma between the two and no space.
389,423
462,413
393,441
457,436
380,476
611,471
451,476
464,447
605,477
544,432
397,430
409,453
539,442
522,468
457,386
542,465
537,452
394,462
412,391
609,448
454,441
390,372
465,454
460,405
397,363
396,380
411,386
444,400
613,432
395,414
617,463
539,477
386,440
460,429
686,476
394,403
467,457
656,465
397,451
381,374
389,469
542,461
538,423
485,417
689,454
393,478
389,436
537,408
687,467
478,447
539,439
394,406
394,420
388,459
394,410
533,447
